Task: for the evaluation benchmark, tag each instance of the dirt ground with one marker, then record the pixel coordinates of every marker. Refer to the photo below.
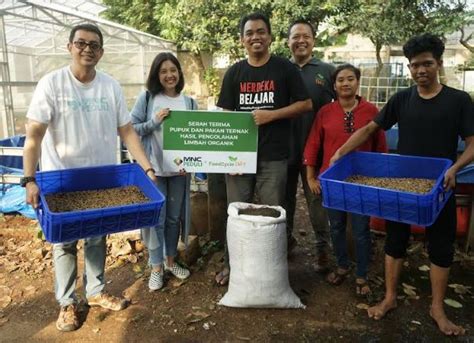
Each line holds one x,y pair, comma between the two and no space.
188,311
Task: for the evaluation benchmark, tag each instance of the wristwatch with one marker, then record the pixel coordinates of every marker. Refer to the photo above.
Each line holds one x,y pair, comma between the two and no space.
26,179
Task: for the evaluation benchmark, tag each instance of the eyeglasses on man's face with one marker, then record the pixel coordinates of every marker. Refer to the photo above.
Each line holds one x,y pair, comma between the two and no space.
82,44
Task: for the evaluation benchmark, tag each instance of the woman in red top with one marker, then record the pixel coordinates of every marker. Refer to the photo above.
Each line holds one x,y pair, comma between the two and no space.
334,124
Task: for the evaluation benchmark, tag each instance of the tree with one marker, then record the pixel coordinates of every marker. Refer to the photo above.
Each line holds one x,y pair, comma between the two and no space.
213,25
388,22
135,13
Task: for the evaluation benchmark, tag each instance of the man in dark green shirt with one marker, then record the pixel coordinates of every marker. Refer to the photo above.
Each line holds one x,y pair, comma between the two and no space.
317,79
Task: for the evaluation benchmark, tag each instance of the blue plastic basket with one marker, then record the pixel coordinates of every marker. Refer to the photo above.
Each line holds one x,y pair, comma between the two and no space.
405,207
70,226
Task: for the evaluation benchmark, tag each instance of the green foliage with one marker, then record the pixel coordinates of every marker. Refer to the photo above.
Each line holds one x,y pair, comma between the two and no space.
40,234
213,25
387,22
134,13
211,78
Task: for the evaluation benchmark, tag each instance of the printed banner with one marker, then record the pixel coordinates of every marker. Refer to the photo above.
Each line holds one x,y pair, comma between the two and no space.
210,142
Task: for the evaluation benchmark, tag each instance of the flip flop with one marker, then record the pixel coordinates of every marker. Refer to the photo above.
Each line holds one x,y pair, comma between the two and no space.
222,278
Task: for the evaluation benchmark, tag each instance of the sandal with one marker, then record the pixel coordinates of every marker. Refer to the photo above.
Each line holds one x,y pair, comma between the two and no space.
337,277
222,278
362,287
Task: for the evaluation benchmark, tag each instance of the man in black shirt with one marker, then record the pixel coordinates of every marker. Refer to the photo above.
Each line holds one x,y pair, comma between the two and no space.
430,118
266,85
317,77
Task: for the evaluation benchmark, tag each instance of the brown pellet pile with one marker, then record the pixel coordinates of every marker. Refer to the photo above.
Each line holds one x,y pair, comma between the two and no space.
102,198
260,211
413,185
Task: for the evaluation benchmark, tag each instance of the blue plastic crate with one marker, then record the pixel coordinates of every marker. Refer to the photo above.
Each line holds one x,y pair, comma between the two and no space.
70,226
405,207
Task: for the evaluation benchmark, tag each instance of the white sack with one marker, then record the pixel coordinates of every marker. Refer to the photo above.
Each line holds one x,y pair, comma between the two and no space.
258,260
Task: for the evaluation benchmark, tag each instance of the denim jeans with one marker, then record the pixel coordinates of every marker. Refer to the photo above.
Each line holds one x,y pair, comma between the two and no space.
361,234
269,183
65,269
317,213
162,240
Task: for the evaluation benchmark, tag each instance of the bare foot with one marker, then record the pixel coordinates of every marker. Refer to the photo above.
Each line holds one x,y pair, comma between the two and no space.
222,278
362,287
378,311
444,324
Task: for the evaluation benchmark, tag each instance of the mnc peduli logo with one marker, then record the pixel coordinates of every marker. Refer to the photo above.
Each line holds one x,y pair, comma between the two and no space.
191,161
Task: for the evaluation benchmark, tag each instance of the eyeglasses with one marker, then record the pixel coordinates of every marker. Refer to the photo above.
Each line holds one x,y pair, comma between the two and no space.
349,122
81,45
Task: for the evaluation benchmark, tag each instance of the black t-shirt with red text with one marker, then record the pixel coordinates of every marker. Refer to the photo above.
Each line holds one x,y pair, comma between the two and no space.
274,85
429,127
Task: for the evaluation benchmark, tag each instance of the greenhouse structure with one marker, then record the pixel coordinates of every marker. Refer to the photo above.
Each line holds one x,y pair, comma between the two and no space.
33,39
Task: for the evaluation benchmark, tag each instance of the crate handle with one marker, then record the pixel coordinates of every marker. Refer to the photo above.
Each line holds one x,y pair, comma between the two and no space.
39,209
443,196
39,212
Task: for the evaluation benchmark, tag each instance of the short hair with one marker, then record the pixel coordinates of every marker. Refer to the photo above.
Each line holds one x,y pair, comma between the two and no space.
426,42
304,22
153,83
253,17
88,28
345,66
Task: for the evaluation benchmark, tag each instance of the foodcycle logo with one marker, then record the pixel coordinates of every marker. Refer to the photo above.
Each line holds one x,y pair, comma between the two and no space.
235,161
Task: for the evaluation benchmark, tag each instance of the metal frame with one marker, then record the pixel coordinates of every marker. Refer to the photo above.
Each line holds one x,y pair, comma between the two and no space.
39,30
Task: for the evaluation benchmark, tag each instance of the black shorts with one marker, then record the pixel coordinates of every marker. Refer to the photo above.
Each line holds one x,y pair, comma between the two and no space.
440,236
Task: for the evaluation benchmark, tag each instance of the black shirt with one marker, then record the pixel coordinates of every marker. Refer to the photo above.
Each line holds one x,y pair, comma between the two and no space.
317,77
429,127
271,86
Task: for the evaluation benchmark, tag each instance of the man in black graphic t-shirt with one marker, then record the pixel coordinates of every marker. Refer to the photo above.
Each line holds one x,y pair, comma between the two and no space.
266,85
430,118
262,90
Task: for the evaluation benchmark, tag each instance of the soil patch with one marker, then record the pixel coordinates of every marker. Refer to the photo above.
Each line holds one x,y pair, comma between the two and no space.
413,185
188,311
260,211
102,198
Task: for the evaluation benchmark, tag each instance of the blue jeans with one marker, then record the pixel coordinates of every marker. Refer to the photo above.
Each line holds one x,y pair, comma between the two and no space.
65,269
361,233
162,239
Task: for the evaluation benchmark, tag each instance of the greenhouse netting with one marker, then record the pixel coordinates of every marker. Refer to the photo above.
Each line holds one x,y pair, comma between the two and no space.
33,38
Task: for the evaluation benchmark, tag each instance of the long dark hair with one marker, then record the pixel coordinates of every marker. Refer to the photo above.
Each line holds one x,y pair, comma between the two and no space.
153,82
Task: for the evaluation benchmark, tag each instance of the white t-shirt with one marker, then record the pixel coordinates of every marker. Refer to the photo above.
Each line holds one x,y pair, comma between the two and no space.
82,119
163,101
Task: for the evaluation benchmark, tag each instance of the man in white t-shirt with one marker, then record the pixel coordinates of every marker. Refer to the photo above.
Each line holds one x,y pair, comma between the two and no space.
73,121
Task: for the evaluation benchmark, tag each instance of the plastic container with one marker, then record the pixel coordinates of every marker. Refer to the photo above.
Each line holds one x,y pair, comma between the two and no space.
70,226
405,207
12,161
